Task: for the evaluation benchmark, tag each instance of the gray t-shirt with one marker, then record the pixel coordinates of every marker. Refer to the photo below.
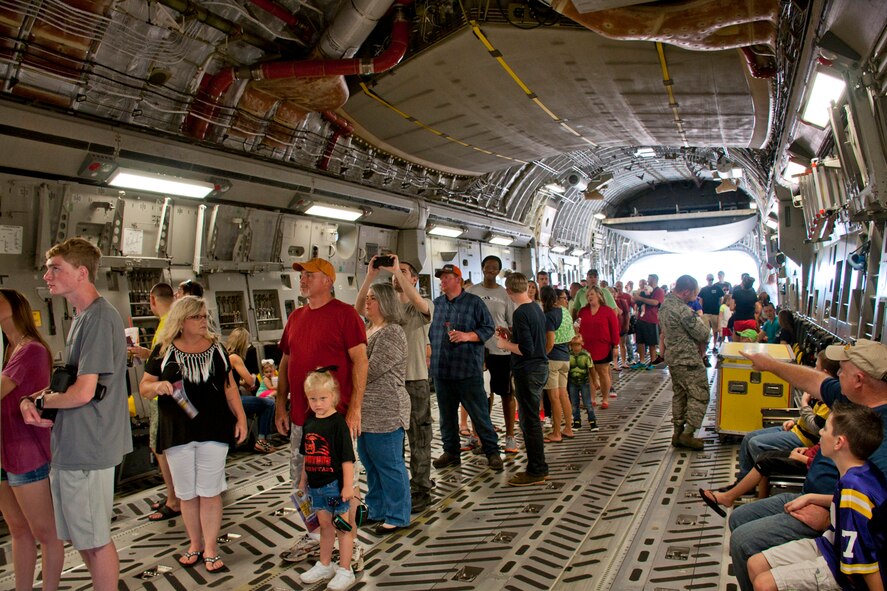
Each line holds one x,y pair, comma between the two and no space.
415,325
501,309
96,435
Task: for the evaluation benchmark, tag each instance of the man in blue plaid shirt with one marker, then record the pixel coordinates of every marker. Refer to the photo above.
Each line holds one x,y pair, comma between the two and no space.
460,327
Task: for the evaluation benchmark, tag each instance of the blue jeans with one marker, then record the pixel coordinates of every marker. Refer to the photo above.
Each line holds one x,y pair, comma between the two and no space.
769,439
470,393
574,391
388,485
263,408
760,525
528,385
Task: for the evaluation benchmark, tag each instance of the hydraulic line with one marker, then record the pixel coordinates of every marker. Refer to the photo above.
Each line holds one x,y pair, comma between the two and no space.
672,103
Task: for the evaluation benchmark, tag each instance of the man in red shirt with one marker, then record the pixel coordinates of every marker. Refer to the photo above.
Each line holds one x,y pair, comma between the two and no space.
647,335
324,333
625,304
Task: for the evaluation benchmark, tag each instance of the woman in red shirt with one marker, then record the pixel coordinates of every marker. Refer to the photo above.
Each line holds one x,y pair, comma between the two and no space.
25,499
600,333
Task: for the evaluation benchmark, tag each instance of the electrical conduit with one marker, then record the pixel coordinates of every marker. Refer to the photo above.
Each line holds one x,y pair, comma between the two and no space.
206,105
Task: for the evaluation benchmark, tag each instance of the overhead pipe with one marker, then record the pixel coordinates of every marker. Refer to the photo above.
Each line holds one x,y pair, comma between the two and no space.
194,11
206,105
304,32
341,127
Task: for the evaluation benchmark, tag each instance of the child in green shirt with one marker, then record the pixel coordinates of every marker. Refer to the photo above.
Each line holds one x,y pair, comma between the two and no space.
578,383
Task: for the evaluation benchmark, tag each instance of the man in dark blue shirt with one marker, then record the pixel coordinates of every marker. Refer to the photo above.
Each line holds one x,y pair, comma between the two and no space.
765,523
529,367
460,327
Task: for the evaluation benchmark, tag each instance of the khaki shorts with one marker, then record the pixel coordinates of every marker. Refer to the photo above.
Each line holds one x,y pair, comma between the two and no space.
558,372
83,501
798,565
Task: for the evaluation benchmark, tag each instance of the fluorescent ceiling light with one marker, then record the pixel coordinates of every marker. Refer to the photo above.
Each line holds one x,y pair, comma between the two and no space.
645,152
159,183
555,187
337,213
792,170
753,205
559,249
736,172
448,231
826,89
600,216
501,240
577,252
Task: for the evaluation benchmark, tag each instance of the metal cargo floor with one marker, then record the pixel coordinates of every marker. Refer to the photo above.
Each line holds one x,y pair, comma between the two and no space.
619,512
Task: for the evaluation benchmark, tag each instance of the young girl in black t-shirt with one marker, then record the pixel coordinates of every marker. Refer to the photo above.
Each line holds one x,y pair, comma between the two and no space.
328,473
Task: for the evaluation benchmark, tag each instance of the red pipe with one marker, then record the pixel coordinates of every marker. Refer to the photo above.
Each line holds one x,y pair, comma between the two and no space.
304,31
206,104
342,128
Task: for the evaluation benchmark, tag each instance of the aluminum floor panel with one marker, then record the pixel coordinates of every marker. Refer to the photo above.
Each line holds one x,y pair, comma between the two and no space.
620,511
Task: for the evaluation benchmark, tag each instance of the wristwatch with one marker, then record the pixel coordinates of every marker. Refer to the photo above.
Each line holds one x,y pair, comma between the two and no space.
38,401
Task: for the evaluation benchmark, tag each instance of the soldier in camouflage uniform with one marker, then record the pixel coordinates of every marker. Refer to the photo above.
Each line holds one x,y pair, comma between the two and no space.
684,331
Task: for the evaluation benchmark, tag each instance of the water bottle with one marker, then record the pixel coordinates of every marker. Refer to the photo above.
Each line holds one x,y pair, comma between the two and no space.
178,394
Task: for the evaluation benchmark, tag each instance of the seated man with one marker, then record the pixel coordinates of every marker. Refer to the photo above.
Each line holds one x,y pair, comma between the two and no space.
847,556
765,523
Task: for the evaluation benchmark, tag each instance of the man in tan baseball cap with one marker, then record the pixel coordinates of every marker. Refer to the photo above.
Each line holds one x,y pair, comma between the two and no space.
766,523
869,356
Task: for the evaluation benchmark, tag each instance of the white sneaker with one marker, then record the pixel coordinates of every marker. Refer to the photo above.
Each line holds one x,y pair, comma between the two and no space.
319,572
357,562
304,548
344,578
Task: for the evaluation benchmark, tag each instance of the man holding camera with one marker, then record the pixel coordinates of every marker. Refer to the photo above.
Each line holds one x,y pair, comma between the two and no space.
91,432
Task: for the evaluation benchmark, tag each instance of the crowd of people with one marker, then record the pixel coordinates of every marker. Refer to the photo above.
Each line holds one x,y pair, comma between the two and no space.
354,387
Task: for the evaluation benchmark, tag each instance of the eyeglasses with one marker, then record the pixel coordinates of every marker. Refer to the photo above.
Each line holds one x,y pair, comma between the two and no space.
326,369
198,317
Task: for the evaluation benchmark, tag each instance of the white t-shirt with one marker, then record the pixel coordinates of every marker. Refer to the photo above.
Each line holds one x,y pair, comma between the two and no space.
501,309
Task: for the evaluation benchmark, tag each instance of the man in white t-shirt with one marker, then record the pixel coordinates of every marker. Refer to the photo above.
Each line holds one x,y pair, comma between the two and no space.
498,361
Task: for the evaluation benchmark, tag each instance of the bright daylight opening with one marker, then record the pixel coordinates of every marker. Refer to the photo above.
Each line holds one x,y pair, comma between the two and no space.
671,266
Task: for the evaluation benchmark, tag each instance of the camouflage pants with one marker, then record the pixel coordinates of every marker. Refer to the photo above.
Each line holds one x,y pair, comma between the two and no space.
690,386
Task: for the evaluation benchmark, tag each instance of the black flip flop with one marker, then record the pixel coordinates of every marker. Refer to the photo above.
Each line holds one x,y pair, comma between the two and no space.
158,504
165,514
713,504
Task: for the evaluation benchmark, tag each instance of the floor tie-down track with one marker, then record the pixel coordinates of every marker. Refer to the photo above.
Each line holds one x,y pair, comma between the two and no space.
620,511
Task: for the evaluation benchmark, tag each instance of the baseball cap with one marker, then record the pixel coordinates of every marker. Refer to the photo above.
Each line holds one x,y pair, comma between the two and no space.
317,266
869,356
449,269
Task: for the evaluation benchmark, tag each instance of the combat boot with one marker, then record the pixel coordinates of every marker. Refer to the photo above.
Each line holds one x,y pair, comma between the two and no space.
687,440
678,429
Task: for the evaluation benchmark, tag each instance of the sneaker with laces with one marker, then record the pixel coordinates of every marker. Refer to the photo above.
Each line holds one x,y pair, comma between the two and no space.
344,578
319,572
592,426
357,562
445,460
262,446
612,393
470,443
577,424
494,461
510,445
304,548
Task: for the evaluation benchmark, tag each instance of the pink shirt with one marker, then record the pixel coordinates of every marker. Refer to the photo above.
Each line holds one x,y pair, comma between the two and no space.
25,448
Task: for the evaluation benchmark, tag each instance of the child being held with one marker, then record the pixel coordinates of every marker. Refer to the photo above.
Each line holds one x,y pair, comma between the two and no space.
268,381
848,554
328,473
578,382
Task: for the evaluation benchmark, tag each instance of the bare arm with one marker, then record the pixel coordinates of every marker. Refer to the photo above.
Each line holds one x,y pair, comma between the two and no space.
359,366
360,304
347,480
232,395
873,581
80,393
6,386
409,290
248,379
804,378
281,418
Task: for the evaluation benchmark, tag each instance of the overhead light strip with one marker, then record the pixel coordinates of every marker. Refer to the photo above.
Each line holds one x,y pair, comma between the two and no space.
127,178
497,55
437,132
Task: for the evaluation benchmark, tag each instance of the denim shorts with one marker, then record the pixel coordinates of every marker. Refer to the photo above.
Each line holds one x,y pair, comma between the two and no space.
41,473
328,498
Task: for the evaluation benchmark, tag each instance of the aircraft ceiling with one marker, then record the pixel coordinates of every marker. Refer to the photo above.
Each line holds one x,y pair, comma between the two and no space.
490,103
